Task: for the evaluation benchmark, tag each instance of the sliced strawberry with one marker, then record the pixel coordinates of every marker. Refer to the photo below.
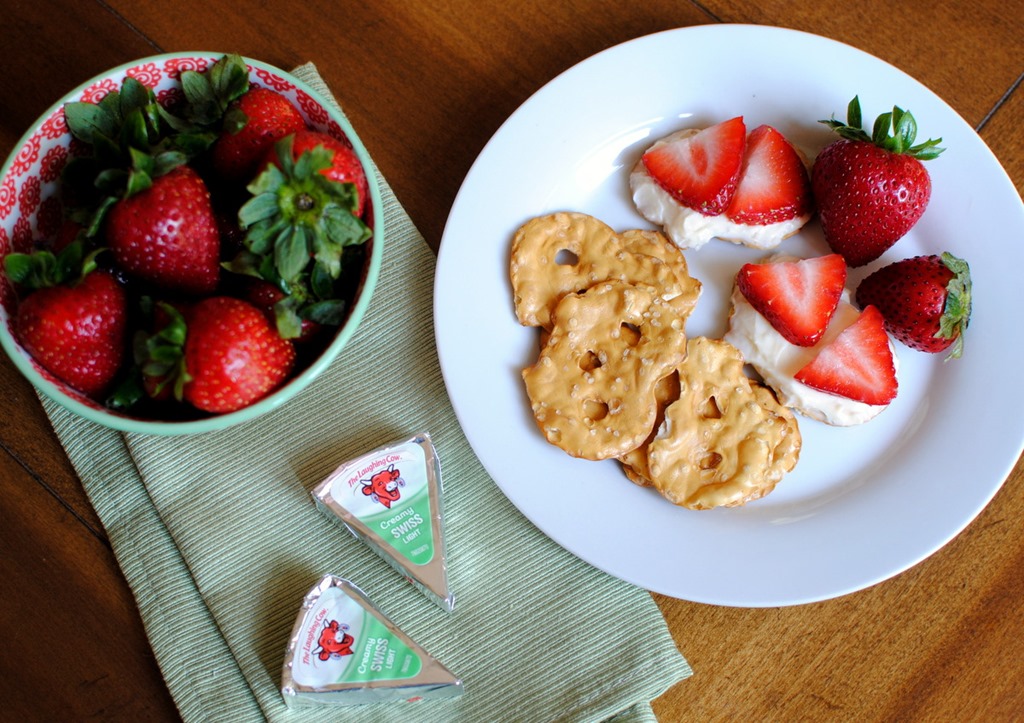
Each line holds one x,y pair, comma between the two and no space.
858,364
798,298
774,184
701,170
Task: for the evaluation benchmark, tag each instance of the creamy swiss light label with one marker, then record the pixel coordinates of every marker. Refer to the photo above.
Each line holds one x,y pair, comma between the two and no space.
340,642
390,494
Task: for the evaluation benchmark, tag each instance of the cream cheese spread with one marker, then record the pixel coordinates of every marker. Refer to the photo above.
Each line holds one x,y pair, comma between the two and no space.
690,229
777,361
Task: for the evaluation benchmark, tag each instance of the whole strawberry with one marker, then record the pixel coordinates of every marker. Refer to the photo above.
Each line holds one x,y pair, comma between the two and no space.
871,189
233,355
344,168
926,301
77,331
302,232
272,301
252,124
167,234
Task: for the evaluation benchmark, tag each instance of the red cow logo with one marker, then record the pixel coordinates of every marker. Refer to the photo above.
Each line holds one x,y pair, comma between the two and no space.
330,645
383,486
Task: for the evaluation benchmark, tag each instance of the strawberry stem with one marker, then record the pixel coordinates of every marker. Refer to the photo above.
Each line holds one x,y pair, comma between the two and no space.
299,225
894,131
133,139
956,316
42,269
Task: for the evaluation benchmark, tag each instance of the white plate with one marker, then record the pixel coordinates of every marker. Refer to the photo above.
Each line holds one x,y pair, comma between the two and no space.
864,503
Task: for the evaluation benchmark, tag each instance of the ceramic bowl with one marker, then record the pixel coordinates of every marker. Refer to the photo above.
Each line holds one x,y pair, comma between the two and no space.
31,210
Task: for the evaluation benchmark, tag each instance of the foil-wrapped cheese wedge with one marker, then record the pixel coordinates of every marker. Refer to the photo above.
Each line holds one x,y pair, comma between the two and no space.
390,498
344,651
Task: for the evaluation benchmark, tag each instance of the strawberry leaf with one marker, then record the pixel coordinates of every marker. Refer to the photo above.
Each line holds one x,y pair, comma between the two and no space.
43,269
853,114
179,125
880,132
128,392
160,355
229,79
308,163
35,270
903,129
321,282
134,133
203,106
134,96
95,222
167,161
107,151
209,94
244,263
193,143
327,254
140,177
291,252
286,317
234,120
86,119
259,208
926,151
956,316
260,238
111,103
330,312
343,228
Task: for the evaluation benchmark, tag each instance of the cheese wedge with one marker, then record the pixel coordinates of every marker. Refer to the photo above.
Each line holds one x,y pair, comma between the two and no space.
344,651
390,498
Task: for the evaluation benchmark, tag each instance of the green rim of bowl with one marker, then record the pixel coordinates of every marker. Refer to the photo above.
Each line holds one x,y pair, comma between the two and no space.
114,420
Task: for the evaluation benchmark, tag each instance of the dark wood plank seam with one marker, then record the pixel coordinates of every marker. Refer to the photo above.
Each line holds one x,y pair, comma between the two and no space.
707,12
124,21
98,534
999,103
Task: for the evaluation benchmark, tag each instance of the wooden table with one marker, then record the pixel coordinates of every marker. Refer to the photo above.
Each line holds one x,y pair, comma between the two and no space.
426,85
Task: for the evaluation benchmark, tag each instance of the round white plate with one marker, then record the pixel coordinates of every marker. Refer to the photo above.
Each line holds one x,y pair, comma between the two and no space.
864,503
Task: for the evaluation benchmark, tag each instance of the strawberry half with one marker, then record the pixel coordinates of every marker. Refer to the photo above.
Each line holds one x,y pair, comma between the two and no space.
700,170
926,301
858,364
774,184
798,298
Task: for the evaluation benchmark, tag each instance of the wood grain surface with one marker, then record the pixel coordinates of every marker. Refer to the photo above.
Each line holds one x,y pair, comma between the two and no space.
426,85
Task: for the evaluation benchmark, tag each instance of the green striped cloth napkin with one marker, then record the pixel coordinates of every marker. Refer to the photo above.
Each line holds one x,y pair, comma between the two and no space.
219,539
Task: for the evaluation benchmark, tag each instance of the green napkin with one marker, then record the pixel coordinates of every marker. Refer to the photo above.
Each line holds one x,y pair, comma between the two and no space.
219,539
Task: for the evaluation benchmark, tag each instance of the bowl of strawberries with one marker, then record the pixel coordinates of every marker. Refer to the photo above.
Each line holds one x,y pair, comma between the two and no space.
187,241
